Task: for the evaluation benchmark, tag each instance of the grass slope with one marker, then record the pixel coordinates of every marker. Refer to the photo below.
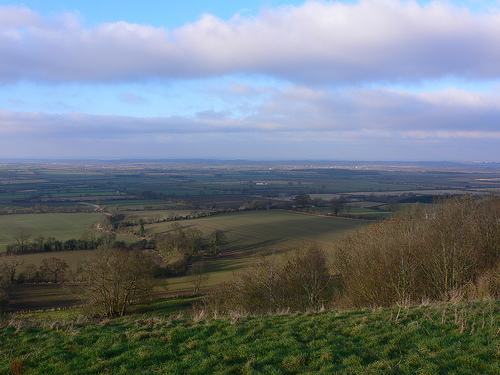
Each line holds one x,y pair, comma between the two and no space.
459,339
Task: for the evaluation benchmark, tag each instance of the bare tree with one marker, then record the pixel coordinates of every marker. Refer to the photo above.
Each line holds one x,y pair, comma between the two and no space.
10,265
30,273
337,205
197,276
112,279
194,241
39,240
307,278
54,266
22,235
302,200
89,238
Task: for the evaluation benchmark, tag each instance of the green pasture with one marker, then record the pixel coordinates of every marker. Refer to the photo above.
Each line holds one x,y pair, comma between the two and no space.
363,208
61,226
135,204
437,339
158,214
367,208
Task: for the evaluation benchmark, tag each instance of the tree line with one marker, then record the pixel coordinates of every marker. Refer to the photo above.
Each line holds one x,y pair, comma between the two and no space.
27,243
14,271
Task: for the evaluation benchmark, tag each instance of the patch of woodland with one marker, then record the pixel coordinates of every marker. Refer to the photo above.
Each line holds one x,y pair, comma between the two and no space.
450,249
446,252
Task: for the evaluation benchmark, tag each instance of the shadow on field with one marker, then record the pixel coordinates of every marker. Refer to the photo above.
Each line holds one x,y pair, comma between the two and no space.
248,249
235,258
39,297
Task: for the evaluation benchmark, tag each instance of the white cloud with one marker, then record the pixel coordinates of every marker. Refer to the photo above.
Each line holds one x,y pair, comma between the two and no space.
318,42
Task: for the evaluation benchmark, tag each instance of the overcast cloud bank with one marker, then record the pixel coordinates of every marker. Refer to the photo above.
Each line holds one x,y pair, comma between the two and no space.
333,58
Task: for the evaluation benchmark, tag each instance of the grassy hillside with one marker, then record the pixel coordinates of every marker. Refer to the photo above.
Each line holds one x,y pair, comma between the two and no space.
458,339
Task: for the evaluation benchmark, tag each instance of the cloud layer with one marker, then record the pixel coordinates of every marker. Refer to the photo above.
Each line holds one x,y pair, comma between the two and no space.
325,77
446,114
318,42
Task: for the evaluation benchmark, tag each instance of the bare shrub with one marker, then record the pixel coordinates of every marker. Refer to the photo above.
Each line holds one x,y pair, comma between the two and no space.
18,366
485,287
380,266
306,279
422,253
299,282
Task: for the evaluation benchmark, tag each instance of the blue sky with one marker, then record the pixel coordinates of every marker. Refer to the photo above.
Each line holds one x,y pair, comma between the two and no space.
158,13
348,80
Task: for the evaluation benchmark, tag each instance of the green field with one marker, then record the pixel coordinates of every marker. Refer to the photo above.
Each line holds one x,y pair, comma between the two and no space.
61,226
436,339
258,232
269,231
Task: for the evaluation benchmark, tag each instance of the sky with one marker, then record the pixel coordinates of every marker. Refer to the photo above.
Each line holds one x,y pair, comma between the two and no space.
367,80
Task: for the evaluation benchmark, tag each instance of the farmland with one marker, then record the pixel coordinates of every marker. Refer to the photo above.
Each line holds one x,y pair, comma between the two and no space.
260,232
81,186
249,233
253,203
